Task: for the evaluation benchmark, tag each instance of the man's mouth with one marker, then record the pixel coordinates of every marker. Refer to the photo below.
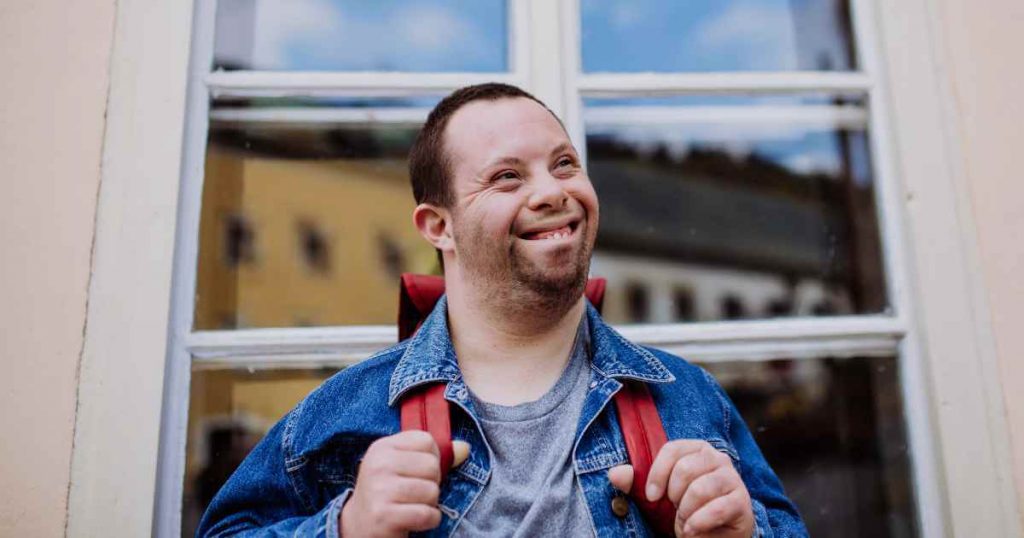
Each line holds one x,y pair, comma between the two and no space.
560,232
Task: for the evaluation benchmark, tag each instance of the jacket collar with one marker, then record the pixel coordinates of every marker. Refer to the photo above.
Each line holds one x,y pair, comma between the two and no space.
429,356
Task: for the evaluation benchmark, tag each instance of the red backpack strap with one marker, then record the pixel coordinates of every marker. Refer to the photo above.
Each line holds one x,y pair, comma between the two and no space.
426,409
644,435
416,299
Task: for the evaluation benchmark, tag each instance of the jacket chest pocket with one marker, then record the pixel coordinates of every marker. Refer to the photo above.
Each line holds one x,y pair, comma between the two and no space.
335,468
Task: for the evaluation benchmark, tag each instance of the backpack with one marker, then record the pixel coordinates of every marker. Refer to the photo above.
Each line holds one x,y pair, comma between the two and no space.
425,408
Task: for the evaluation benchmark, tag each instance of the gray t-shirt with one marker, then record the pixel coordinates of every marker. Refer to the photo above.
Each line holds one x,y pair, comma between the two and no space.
532,489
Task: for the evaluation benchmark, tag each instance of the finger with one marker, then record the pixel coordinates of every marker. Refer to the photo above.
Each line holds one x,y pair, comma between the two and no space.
727,511
621,477
413,491
413,464
416,440
691,466
666,459
413,517
460,450
704,489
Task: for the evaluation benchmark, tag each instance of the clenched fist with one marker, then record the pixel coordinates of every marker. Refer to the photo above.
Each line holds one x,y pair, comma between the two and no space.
710,498
397,487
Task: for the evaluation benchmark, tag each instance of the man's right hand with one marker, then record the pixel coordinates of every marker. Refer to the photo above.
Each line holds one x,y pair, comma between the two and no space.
397,487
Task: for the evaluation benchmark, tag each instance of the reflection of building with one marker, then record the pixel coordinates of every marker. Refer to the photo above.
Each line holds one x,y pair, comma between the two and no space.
710,236
288,242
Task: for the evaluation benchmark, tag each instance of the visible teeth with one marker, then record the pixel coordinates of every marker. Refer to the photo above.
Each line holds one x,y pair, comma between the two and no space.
557,234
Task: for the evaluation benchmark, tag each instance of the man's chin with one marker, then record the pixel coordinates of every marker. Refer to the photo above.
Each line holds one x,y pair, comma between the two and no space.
554,283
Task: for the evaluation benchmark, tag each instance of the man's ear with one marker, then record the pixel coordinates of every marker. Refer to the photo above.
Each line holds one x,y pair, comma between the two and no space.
434,224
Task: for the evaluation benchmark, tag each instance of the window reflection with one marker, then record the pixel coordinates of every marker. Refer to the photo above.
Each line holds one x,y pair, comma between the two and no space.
832,428
353,35
326,200
230,410
763,207
834,431
716,35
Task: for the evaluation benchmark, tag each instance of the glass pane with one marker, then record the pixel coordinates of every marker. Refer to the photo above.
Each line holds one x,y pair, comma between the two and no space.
734,207
354,35
230,410
716,35
306,213
834,431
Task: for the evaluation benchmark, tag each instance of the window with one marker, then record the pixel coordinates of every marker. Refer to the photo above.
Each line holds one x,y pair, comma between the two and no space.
735,149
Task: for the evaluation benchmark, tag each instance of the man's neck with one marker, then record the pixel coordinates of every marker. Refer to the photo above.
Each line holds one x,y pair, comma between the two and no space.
509,355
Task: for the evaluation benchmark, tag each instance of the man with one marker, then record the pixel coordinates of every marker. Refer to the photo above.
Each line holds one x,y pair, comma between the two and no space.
530,370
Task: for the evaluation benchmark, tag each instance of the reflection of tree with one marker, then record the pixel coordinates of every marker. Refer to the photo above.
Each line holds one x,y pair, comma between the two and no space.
228,446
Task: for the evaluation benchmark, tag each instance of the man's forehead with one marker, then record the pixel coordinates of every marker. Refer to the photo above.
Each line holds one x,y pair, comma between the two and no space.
488,125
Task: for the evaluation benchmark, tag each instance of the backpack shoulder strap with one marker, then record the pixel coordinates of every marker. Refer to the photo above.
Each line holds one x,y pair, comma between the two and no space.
644,435
426,409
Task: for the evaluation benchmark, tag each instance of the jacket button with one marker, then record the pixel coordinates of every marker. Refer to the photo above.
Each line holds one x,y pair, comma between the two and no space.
620,506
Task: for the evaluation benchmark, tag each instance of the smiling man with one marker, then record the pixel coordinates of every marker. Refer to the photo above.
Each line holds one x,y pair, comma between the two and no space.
530,370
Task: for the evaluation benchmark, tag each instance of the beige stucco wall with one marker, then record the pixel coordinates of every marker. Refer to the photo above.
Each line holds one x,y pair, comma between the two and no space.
982,44
54,60
53,88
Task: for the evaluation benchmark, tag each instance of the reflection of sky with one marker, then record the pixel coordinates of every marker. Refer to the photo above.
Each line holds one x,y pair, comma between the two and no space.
799,147
712,35
408,35
802,151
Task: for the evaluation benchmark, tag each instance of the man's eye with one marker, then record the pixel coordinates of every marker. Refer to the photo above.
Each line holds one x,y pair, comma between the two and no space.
506,175
565,161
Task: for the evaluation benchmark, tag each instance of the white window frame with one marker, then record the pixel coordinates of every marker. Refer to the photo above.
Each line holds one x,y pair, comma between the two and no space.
133,388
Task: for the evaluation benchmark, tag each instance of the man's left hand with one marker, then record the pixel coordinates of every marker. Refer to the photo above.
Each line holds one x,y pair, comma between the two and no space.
709,495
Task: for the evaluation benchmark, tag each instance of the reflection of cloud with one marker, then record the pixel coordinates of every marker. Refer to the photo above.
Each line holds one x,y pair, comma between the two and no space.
627,15
436,30
754,35
332,34
809,163
797,149
283,26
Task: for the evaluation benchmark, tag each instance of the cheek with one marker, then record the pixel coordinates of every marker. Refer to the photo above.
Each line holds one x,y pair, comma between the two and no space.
492,220
587,197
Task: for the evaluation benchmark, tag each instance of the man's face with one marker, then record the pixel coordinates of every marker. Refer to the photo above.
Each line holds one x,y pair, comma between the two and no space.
524,215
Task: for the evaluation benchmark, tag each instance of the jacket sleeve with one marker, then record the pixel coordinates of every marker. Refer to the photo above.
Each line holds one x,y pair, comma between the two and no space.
262,498
775,516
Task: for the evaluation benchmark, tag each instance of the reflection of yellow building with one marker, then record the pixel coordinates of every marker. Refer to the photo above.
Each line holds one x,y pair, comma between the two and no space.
264,276
359,208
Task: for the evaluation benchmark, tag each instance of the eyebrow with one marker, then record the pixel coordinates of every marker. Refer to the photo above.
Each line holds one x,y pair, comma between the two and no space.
507,161
516,161
561,148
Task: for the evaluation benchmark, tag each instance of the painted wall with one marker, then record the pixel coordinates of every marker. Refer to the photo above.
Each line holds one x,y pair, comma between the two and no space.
982,42
53,56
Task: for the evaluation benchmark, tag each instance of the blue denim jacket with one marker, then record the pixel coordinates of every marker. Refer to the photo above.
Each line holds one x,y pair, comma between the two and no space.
299,476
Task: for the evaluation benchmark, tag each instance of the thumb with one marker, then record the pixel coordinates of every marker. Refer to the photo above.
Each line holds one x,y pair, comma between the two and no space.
460,451
621,477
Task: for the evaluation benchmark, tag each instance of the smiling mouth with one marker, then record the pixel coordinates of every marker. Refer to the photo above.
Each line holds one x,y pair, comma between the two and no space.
557,233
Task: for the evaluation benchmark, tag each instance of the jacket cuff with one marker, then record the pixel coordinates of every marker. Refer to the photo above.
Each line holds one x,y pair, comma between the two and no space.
332,514
762,527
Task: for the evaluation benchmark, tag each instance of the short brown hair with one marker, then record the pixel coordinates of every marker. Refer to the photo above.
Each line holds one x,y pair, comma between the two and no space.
429,165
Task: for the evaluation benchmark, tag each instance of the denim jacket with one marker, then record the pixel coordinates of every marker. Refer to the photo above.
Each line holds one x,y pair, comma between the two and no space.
298,477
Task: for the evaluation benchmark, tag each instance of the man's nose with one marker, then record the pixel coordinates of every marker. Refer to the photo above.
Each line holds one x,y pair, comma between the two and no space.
548,192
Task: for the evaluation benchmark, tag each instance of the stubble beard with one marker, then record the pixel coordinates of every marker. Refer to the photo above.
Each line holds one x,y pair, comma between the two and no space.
539,292
519,287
